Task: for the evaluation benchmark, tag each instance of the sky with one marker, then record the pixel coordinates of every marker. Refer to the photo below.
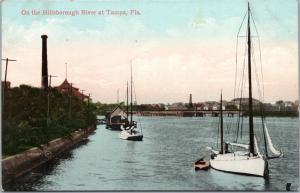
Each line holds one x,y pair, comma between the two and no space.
175,47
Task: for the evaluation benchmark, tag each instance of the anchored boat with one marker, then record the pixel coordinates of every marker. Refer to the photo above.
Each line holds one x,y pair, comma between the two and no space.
130,132
201,164
249,160
116,119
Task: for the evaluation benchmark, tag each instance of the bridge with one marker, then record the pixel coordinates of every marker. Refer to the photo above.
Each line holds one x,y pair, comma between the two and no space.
200,113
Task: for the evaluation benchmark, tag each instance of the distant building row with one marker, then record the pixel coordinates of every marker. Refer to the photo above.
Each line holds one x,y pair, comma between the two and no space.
235,104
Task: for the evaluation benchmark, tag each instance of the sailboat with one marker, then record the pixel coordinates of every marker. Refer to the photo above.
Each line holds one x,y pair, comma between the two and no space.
129,132
249,160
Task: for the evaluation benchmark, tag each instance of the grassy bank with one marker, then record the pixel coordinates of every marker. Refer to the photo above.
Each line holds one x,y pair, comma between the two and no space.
25,123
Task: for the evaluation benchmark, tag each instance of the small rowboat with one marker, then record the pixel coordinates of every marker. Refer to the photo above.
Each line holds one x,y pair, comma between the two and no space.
201,164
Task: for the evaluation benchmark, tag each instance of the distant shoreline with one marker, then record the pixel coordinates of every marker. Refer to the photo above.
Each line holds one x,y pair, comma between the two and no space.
245,114
276,114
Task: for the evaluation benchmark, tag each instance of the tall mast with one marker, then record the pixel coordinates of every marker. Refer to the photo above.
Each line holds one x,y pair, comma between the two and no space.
221,114
131,92
118,102
127,107
251,132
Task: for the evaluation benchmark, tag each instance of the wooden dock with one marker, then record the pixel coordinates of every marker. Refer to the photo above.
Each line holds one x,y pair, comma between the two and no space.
200,113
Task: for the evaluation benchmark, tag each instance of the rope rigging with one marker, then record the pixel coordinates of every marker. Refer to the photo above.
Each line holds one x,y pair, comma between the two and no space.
229,125
240,83
240,89
136,103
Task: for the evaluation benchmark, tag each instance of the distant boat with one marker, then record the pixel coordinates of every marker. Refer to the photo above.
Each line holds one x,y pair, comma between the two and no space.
101,122
249,161
129,132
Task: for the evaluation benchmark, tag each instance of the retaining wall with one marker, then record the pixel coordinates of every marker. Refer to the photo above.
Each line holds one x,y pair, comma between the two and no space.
19,164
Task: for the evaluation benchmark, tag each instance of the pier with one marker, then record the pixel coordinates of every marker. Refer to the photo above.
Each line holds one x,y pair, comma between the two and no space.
200,113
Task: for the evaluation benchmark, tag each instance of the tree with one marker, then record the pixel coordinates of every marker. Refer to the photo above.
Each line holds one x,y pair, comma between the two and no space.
25,117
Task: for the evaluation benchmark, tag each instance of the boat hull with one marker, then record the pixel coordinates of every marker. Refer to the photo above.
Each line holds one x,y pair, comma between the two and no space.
133,137
114,127
201,166
240,164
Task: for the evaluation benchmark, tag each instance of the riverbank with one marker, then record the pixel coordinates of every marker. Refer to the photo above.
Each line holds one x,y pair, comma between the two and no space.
215,113
22,163
40,117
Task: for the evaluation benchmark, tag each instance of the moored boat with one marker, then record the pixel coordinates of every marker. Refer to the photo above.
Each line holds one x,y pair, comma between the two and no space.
129,132
116,119
201,164
249,161
240,163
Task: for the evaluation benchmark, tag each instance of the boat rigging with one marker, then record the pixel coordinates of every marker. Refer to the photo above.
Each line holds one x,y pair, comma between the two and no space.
249,161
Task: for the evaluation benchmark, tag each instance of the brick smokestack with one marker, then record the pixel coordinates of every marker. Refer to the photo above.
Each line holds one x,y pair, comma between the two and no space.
44,62
191,100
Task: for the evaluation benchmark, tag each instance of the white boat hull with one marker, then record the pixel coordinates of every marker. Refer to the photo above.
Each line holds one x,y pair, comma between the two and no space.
134,136
241,164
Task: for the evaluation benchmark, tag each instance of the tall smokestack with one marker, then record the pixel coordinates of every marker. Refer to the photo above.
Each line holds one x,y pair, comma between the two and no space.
191,100
44,62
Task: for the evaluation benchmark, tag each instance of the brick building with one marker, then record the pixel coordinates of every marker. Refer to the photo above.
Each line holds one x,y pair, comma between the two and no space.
65,87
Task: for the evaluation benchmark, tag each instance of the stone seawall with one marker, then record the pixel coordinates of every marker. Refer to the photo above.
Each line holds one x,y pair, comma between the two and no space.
19,164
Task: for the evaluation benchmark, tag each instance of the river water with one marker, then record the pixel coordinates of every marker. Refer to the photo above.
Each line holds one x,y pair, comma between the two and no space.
164,159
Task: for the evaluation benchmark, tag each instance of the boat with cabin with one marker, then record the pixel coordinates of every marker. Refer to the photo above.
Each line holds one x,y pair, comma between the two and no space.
116,119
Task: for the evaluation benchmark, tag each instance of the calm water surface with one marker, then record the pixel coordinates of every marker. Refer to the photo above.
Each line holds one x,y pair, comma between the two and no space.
164,160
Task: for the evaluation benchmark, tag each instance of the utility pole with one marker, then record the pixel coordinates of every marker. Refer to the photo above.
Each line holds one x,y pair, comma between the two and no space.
70,99
48,108
5,83
82,96
89,96
6,65
50,76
